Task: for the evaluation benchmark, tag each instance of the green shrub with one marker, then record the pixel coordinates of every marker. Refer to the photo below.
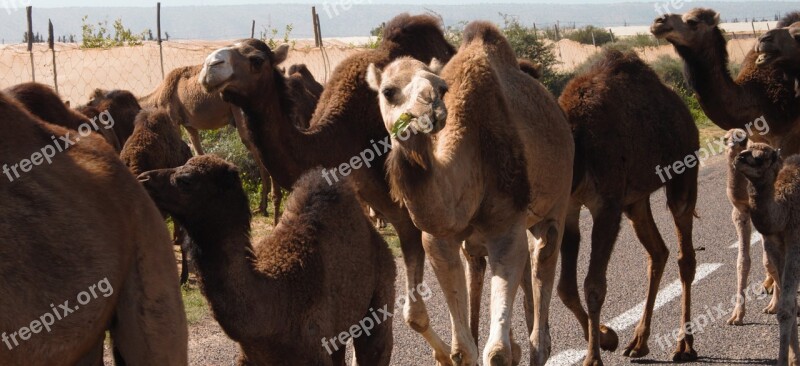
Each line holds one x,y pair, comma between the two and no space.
99,36
227,144
640,41
584,35
270,36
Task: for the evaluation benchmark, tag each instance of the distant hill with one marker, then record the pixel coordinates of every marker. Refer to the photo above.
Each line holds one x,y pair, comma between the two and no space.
231,22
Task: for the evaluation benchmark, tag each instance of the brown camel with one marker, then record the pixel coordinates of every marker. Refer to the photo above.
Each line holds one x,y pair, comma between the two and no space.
758,94
473,172
618,147
775,202
66,279
328,267
44,102
781,47
122,106
189,105
346,124
156,144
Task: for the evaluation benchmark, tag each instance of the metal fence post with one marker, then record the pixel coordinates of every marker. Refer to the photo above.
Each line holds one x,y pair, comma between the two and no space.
51,45
160,47
29,10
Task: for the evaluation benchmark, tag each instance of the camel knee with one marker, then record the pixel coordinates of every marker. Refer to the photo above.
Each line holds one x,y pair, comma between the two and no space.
548,245
687,265
595,290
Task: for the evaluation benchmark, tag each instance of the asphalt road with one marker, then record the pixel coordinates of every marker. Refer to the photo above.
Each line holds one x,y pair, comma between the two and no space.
755,343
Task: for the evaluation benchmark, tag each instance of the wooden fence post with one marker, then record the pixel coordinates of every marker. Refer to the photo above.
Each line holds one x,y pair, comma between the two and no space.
29,10
160,47
253,29
314,21
51,44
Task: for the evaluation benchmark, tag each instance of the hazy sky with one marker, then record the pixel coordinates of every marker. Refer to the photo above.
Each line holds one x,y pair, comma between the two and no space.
148,3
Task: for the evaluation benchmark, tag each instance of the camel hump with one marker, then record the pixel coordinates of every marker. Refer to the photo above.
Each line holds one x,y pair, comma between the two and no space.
406,27
621,62
789,19
530,68
488,35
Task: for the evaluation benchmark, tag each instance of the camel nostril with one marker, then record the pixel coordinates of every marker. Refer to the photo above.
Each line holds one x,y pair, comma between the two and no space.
215,63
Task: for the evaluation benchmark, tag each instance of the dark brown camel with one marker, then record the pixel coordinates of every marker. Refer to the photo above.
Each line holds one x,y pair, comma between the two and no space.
44,102
620,149
328,269
123,107
82,233
156,144
346,124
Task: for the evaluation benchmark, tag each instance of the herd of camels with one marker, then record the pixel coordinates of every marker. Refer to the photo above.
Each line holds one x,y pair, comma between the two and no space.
481,156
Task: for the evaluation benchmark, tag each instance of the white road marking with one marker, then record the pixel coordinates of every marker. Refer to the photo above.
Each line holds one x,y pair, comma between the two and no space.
755,239
631,317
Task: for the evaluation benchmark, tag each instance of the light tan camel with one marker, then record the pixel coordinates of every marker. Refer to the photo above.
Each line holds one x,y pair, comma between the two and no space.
474,171
775,202
324,265
346,124
84,251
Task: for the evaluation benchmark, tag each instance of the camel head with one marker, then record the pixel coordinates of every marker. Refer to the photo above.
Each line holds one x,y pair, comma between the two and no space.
735,141
759,162
240,70
688,29
411,96
199,193
780,46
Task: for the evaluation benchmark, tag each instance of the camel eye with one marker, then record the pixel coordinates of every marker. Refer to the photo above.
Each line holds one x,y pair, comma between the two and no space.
389,92
183,181
692,22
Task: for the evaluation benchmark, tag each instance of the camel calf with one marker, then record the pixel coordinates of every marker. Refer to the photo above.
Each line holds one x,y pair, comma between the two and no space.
66,226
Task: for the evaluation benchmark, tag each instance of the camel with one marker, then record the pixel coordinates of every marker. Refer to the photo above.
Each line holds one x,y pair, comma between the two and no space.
108,276
781,47
305,91
473,172
775,200
156,144
618,146
736,141
346,124
44,102
764,93
122,106
330,269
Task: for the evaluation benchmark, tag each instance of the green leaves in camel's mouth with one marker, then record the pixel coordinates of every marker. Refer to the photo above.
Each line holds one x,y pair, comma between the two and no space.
402,124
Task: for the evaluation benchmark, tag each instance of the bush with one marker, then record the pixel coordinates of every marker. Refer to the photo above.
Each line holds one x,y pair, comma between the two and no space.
227,144
639,40
100,37
269,36
670,70
584,35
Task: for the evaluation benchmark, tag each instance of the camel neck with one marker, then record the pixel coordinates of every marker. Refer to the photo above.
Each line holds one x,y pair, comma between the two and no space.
767,214
723,100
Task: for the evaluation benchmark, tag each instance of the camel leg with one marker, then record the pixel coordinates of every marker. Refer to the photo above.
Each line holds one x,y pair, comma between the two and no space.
568,281
527,290
547,235
741,219
95,355
180,238
507,260
607,217
446,262
787,309
774,254
277,197
375,349
681,200
194,137
641,217
476,272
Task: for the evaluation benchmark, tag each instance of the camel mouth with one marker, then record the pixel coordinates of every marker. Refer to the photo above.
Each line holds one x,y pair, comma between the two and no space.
764,57
659,30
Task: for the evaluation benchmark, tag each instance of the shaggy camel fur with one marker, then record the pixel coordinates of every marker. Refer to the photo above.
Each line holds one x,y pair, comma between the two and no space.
325,263
757,93
474,172
156,144
123,107
44,102
347,123
781,47
617,148
304,91
775,202
53,250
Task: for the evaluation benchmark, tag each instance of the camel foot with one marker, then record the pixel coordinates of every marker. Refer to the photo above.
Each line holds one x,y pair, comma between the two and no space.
737,318
498,359
637,348
609,341
772,308
459,360
592,361
768,285
516,354
684,352
442,360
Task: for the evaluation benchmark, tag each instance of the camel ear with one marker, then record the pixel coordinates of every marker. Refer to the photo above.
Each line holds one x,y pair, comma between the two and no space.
68,104
374,77
436,66
281,54
716,19
795,33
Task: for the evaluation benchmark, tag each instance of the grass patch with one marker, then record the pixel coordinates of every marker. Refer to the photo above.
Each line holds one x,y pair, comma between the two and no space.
390,235
194,303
